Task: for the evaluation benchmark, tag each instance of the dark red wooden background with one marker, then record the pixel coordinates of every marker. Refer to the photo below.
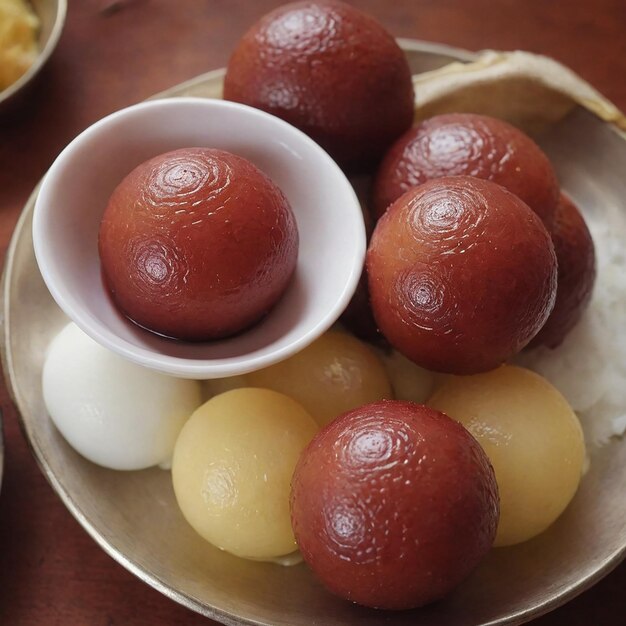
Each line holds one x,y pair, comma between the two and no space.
115,53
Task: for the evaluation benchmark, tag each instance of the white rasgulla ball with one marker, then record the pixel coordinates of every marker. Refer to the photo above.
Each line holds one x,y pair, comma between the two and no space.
115,413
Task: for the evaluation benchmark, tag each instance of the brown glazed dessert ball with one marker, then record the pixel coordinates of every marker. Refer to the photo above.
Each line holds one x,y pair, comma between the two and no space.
393,505
464,144
576,259
197,244
358,317
330,70
462,275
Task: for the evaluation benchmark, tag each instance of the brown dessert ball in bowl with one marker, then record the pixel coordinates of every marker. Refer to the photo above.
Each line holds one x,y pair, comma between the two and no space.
576,258
197,244
79,185
330,70
462,274
393,504
466,144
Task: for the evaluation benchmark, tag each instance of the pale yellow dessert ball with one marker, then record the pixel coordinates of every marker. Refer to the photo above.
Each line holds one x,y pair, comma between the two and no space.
335,374
408,380
532,438
232,468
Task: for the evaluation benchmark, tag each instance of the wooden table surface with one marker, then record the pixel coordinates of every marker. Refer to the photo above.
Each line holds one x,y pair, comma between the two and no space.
115,53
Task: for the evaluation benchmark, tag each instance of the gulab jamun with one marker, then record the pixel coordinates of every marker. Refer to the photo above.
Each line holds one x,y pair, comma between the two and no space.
462,275
330,70
393,505
466,144
358,317
197,244
575,254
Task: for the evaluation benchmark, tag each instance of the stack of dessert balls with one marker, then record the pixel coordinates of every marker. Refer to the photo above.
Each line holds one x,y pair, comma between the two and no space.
475,255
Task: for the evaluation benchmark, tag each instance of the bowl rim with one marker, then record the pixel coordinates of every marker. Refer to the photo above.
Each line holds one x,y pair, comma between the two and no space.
175,365
42,56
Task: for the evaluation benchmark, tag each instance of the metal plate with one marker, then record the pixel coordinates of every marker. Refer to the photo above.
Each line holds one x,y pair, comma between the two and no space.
133,516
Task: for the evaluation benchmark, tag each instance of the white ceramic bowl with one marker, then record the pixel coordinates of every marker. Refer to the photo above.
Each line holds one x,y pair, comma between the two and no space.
75,191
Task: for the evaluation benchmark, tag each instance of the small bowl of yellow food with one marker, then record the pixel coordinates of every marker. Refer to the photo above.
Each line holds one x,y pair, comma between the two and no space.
29,32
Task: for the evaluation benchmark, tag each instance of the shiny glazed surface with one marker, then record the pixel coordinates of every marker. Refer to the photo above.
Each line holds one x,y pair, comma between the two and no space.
465,144
576,260
393,505
330,70
462,275
197,244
